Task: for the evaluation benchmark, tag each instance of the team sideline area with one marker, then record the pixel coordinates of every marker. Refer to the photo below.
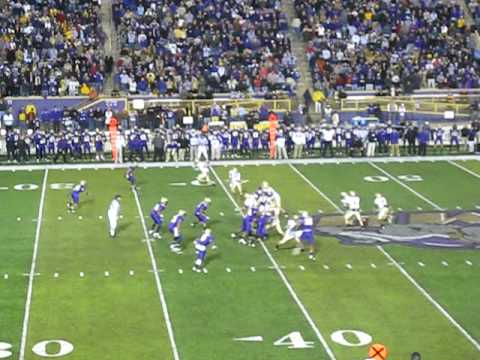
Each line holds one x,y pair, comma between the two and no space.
75,285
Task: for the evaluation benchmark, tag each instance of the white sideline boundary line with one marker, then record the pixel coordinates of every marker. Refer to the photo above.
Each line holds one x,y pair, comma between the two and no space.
284,278
152,165
31,275
473,173
402,184
161,293
411,279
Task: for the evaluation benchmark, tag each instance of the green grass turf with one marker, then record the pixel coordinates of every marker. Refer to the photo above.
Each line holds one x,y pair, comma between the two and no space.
120,316
209,310
103,317
16,244
380,302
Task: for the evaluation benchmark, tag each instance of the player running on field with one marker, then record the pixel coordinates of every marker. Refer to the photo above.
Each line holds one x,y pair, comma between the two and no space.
289,233
235,181
384,213
72,203
201,246
156,214
352,202
130,176
113,214
305,234
174,227
200,213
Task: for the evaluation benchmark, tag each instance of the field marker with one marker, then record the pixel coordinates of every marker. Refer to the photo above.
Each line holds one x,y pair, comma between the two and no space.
252,268
5,276
59,218
407,275
228,269
402,184
326,267
315,188
131,273
55,275
107,274
444,263
28,302
161,294
373,265
421,264
19,219
301,267
82,274
464,169
180,271
3,188
468,262
250,339
100,217
80,217
419,208
292,292
349,266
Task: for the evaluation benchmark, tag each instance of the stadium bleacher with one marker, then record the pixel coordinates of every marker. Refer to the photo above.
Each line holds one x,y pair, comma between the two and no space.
50,48
203,47
373,45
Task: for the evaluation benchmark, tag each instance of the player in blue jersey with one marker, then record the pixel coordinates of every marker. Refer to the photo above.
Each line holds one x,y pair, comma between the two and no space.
249,214
201,246
157,216
262,221
174,227
200,213
74,200
305,234
130,176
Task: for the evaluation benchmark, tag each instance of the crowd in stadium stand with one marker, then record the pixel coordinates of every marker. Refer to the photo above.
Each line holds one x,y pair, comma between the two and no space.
200,47
69,135
364,44
50,48
474,8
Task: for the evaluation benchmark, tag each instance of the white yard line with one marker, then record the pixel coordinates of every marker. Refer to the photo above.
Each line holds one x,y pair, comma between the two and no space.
150,165
464,169
402,184
28,303
161,293
408,276
292,292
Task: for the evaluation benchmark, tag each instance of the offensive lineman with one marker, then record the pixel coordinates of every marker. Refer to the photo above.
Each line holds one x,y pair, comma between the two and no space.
113,215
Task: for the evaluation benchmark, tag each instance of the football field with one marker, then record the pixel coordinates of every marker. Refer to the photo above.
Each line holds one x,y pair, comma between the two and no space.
68,290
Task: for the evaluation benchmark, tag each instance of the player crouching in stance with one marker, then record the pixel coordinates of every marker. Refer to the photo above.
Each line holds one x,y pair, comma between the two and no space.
156,214
235,181
201,246
174,228
113,215
305,236
130,176
384,214
200,213
351,202
72,203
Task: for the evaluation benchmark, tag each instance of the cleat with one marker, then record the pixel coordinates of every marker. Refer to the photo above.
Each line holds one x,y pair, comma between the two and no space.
150,232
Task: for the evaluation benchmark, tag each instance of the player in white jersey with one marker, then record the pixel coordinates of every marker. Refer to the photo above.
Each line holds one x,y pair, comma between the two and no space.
383,210
204,176
235,181
113,214
352,202
290,232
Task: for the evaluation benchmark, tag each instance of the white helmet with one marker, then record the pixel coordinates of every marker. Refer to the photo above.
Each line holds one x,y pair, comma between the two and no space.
181,212
207,200
207,231
353,193
164,200
83,182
